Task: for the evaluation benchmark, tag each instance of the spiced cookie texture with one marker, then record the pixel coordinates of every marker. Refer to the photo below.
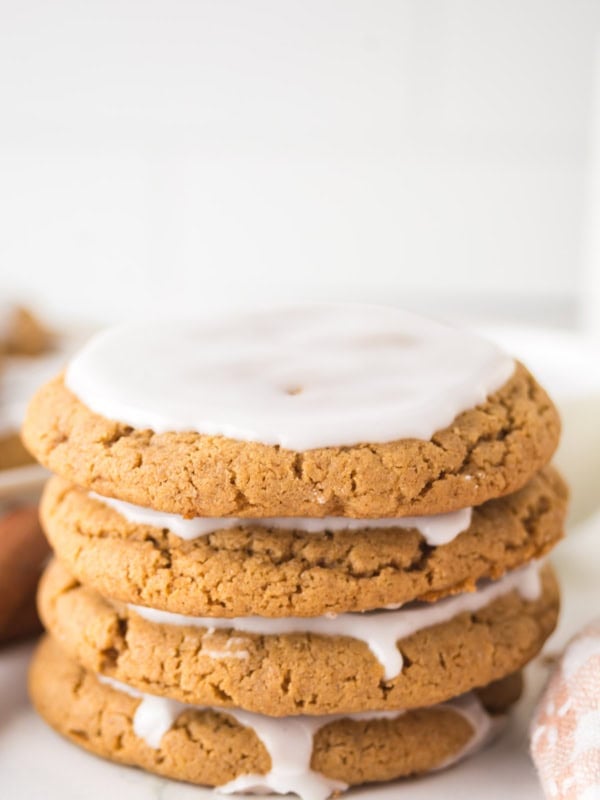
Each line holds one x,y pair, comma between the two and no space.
236,751
386,660
297,549
250,569
486,452
343,411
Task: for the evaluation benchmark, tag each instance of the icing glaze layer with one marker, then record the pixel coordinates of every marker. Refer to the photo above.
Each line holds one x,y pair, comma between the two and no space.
210,747
275,572
436,529
289,740
486,452
302,377
380,630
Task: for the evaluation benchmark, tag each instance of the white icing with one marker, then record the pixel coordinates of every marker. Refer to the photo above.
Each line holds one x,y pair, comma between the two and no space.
380,630
227,651
154,717
288,740
289,743
301,377
485,728
240,654
436,529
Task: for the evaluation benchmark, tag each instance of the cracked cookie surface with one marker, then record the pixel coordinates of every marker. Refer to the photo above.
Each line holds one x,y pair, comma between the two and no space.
298,673
210,748
488,451
252,570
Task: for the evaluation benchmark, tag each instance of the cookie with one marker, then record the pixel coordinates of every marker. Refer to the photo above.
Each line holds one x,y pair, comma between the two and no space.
383,660
312,757
22,333
13,452
278,572
486,452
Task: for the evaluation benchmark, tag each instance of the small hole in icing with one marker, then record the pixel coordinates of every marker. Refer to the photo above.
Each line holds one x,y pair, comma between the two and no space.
293,390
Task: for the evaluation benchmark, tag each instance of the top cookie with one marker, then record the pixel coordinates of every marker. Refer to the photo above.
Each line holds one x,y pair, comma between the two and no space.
316,411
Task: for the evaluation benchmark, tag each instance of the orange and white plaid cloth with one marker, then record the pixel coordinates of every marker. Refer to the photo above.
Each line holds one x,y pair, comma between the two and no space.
565,732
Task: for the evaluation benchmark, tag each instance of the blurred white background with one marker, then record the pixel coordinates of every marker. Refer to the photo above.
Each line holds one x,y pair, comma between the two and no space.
168,155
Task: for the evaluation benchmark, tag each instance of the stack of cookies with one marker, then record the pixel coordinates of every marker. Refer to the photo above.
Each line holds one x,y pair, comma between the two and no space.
296,550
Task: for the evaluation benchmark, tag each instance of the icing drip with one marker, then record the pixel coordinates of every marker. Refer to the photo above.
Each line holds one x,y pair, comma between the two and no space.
436,529
228,651
485,727
289,743
380,630
300,377
154,716
288,740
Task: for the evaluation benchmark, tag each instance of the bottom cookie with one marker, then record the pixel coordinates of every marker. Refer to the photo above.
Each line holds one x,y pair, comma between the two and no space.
236,750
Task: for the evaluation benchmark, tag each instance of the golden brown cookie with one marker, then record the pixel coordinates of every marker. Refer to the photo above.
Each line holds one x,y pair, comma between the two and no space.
487,452
212,747
296,673
24,334
253,570
13,452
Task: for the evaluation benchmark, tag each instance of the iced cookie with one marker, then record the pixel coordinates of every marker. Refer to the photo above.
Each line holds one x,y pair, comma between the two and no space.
290,566
235,750
388,659
13,453
315,411
29,356
22,333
